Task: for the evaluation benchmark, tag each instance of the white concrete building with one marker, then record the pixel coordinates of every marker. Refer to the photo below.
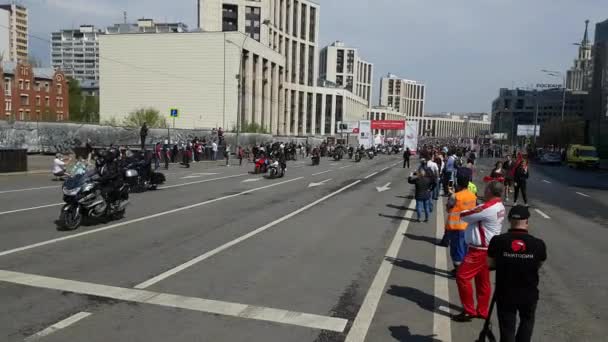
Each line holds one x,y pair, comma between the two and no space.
342,66
18,32
76,52
405,96
195,72
4,35
336,105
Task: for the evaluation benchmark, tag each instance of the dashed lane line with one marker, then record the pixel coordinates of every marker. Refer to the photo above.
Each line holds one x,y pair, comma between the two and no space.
370,176
442,329
140,219
31,208
201,181
546,181
29,189
542,214
582,194
58,326
177,301
236,241
320,173
366,313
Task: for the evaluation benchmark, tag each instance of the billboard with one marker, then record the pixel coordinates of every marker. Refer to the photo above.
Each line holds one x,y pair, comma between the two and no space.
527,130
347,127
411,135
389,125
365,133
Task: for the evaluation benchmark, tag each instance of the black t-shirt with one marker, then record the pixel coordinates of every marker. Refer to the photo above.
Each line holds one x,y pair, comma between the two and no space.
518,258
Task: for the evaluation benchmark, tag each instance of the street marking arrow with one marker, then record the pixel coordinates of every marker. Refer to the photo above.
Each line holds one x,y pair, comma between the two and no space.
312,185
251,180
384,188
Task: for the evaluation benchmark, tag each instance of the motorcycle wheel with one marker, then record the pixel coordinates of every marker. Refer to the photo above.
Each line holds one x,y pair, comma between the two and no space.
70,218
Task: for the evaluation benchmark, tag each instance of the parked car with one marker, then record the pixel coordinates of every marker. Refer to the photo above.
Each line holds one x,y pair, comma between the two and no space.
551,158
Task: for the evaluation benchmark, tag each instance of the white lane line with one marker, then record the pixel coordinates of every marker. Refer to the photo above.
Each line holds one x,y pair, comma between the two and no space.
177,301
582,194
199,175
29,189
333,164
201,181
366,313
370,176
542,214
140,219
32,208
442,329
229,244
345,167
320,173
58,326
546,181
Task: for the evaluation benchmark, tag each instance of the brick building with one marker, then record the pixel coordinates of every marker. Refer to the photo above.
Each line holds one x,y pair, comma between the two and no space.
32,94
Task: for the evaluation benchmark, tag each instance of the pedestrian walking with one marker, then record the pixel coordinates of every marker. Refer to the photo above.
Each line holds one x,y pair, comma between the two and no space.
484,222
166,154
227,155
461,200
508,166
423,185
517,257
434,172
406,157
240,154
521,182
214,150
143,133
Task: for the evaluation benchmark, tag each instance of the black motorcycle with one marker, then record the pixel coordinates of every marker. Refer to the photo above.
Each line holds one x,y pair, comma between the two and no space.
140,177
83,198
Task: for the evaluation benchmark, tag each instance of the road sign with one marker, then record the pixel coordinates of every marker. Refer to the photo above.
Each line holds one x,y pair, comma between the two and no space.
527,130
174,113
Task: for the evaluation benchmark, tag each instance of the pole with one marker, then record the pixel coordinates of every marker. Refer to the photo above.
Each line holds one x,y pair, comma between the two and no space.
224,94
564,99
535,120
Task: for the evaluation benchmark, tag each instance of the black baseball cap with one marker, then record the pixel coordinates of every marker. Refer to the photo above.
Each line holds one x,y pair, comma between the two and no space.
519,212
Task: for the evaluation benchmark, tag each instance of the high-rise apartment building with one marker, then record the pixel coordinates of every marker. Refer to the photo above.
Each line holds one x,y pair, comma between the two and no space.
579,76
4,35
597,115
343,66
18,32
76,52
404,96
147,26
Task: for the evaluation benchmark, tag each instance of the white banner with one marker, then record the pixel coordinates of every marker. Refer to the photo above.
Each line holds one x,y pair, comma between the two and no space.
411,135
527,130
365,133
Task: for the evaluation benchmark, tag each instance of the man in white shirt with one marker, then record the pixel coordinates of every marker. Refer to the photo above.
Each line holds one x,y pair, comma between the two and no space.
214,149
485,222
59,166
434,173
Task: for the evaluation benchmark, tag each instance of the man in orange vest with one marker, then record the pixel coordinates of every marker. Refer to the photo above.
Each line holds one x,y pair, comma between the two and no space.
461,200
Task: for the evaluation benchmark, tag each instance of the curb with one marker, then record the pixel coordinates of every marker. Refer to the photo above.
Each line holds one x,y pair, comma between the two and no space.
33,172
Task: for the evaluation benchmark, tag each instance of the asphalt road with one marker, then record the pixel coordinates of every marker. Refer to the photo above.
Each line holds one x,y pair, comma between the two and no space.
328,253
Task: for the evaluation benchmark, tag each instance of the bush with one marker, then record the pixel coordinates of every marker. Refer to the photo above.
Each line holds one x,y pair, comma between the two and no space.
150,116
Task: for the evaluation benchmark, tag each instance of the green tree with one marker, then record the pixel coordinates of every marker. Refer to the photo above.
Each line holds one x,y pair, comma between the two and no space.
562,133
150,116
75,106
253,128
90,109
110,122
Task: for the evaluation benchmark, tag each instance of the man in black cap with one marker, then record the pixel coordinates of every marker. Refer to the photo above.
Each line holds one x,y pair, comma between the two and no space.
517,257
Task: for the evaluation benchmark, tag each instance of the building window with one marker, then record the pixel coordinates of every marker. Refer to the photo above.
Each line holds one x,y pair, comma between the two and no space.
312,25
8,105
7,86
27,85
318,114
59,103
302,63
303,21
47,101
37,101
20,84
311,65
37,86
46,87
21,115
25,100
340,61
294,27
328,107
59,89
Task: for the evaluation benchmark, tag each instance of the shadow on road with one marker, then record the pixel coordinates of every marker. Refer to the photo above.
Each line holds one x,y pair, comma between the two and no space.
395,217
410,197
414,266
403,334
423,299
429,239
399,207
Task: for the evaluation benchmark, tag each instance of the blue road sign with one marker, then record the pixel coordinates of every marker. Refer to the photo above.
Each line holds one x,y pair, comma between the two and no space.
174,112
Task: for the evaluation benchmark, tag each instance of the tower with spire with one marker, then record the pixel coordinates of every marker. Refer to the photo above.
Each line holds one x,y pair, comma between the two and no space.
579,76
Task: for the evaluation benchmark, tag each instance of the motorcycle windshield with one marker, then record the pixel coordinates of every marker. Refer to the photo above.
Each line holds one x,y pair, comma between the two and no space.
75,181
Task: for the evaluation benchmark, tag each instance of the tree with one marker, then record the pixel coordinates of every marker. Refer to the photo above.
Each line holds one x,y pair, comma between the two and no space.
562,133
75,105
150,116
90,109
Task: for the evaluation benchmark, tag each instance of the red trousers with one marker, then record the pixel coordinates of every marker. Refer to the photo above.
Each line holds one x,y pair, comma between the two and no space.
474,266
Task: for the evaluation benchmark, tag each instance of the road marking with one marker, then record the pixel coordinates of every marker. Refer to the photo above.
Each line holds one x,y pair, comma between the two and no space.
546,181
442,330
312,185
201,181
542,214
372,175
177,301
58,326
345,167
334,164
384,188
229,244
30,189
32,208
199,175
251,180
320,173
582,194
366,313
140,219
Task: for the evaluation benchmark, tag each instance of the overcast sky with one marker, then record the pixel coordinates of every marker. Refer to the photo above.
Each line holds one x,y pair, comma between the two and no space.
463,50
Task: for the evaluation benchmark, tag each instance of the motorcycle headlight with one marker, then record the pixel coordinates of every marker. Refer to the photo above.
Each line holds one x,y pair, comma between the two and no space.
71,192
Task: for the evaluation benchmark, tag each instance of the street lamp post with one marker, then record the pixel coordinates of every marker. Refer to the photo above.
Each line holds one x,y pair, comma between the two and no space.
239,77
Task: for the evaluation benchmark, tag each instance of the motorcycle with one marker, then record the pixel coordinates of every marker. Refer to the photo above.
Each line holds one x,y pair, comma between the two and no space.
370,154
275,170
83,198
350,154
316,160
358,156
140,177
261,165
338,155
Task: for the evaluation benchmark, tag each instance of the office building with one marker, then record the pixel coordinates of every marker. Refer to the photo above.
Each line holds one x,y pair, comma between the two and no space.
18,32
343,67
515,107
596,128
32,94
4,35
147,26
76,52
578,78
404,96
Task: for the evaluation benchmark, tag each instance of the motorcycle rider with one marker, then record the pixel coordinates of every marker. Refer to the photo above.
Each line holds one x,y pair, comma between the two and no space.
282,159
110,176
